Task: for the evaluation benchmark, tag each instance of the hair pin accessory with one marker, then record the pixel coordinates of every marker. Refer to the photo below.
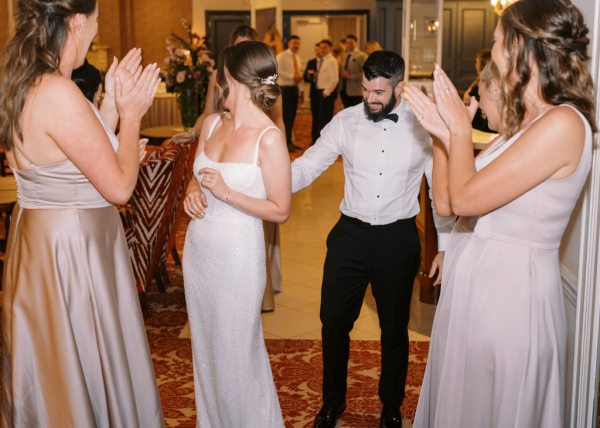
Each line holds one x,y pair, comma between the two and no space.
270,80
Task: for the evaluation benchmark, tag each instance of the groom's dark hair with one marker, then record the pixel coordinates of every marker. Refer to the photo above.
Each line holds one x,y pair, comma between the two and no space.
385,64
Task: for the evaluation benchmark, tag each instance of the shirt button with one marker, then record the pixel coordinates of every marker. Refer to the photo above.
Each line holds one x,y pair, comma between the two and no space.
377,195
385,129
381,173
383,151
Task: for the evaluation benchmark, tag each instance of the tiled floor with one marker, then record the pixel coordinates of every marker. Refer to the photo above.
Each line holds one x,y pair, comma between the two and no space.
314,212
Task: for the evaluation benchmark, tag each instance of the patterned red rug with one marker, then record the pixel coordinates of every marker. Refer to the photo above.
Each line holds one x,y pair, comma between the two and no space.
296,368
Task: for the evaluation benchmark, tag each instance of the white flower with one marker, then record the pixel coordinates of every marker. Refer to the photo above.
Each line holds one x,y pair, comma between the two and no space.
180,78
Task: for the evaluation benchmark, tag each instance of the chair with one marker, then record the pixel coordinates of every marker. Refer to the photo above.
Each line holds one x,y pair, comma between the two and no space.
184,175
145,216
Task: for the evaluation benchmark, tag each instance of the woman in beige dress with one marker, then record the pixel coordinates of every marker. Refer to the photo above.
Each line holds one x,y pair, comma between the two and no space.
74,349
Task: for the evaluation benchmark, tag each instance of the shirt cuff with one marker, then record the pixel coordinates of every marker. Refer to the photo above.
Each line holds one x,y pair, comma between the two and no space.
443,239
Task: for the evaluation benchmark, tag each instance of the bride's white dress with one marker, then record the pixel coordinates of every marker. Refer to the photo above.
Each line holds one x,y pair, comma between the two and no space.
224,276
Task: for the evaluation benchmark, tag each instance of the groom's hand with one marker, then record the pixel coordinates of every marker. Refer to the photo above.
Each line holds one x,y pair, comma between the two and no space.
436,266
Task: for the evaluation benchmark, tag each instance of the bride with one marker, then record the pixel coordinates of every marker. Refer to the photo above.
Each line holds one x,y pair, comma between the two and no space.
243,162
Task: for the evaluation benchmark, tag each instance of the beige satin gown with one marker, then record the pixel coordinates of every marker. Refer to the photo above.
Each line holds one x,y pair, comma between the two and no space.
74,348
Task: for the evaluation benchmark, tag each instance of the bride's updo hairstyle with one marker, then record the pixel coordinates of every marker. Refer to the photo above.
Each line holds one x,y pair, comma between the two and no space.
253,64
552,35
41,27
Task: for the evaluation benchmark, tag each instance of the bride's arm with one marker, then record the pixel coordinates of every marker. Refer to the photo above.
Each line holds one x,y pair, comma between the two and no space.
276,173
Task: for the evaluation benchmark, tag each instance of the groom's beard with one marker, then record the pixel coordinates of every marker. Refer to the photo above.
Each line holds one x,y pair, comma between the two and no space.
386,109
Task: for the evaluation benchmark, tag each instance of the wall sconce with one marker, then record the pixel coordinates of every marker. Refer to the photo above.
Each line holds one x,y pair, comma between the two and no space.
432,25
500,5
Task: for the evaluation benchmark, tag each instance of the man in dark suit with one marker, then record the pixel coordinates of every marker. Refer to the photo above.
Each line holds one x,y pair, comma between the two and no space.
310,76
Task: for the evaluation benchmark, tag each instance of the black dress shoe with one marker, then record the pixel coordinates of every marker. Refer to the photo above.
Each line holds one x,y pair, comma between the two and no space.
390,417
328,415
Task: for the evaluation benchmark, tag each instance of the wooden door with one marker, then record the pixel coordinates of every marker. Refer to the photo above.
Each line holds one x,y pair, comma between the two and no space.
468,26
220,25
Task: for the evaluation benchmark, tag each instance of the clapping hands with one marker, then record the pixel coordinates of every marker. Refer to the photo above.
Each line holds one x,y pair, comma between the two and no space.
126,70
131,86
444,114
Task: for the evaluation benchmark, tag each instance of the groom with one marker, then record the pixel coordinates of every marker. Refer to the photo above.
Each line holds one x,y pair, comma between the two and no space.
385,154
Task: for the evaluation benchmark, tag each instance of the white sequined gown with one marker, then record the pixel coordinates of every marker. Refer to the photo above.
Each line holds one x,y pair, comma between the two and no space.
224,275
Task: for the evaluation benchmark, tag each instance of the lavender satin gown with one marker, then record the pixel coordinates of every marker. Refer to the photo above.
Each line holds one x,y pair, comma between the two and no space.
498,345
74,348
224,275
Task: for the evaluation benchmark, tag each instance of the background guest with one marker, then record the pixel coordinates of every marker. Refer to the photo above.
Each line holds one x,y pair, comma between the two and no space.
327,82
372,46
273,38
89,79
310,76
288,70
479,120
351,75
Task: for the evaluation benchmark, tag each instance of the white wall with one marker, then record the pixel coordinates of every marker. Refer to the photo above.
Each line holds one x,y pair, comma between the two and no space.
579,269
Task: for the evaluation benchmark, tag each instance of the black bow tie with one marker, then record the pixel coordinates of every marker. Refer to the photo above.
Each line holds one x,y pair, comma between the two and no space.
392,116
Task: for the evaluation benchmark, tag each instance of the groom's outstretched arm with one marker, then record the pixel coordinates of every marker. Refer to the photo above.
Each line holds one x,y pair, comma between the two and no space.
308,167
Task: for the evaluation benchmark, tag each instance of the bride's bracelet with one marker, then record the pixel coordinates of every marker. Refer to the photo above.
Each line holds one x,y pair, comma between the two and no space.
228,196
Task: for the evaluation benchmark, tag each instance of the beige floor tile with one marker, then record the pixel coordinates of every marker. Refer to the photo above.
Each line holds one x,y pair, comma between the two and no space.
299,272
279,315
285,301
310,254
312,335
301,324
268,335
417,337
302,292
369,324
310,308
358,334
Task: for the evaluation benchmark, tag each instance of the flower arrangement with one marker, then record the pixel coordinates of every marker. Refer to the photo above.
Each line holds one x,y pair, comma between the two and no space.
188,71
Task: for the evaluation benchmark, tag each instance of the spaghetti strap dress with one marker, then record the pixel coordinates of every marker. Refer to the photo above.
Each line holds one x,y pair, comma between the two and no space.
498,344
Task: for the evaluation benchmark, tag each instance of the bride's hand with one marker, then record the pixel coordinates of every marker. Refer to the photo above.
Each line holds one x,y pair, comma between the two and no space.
194,203
213,181
426,112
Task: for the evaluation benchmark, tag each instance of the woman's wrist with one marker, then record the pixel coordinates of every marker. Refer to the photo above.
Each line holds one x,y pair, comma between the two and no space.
227,197
460,132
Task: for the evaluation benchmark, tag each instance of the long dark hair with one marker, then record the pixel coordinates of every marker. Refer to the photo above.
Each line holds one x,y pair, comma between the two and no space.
41,27
254,65
553,35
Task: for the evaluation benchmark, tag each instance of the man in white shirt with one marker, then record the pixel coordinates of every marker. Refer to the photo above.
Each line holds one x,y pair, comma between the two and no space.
288,69
385,152
327,81
351,82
